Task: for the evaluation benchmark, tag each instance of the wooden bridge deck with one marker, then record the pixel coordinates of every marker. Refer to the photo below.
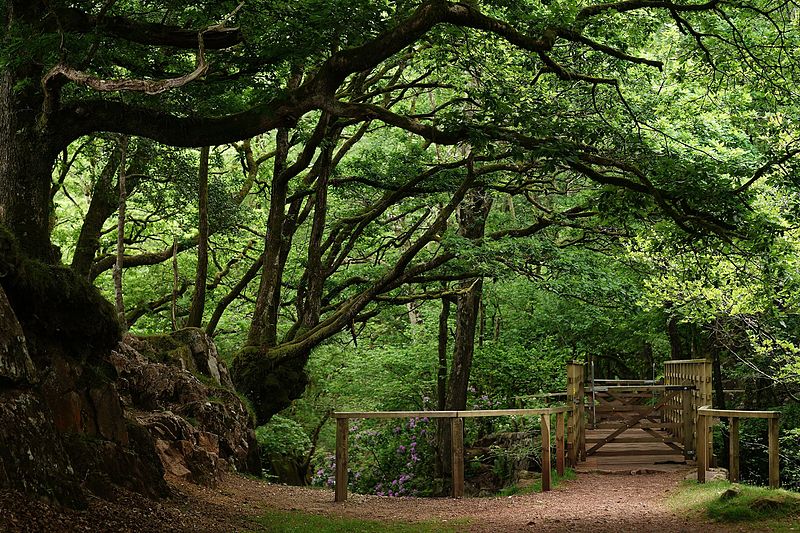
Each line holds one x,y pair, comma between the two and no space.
630,455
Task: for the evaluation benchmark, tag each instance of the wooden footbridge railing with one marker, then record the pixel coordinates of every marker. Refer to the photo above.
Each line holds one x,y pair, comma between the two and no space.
457,442
705,416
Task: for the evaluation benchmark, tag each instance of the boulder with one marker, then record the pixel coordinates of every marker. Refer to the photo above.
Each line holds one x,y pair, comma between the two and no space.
63,429
199,423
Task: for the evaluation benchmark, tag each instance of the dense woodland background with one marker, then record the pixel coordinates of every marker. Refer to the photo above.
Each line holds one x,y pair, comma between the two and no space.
423,205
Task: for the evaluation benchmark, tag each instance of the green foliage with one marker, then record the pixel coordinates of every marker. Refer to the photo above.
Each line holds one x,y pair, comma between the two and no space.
284,437
387,459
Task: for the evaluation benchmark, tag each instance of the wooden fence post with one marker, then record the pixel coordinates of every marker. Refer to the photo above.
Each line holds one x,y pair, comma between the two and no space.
702,447
457,453
546,462
774,458
342,431
560,443
576,444
733,447
688,422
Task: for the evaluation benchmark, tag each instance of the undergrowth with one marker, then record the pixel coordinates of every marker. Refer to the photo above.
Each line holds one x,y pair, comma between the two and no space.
773,508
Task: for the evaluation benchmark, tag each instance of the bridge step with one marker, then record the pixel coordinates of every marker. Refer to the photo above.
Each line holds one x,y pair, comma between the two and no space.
653,425
642,440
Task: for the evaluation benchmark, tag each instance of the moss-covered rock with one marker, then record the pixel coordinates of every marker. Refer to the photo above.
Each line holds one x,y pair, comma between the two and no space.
200,426
52,302
189,348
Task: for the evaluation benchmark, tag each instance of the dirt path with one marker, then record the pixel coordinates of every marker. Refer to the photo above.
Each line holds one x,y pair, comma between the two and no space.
592,503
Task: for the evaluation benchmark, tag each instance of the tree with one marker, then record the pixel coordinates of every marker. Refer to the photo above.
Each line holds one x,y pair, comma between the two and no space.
87,70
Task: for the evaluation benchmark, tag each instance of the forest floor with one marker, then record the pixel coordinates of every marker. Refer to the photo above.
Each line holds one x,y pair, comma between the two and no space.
593,503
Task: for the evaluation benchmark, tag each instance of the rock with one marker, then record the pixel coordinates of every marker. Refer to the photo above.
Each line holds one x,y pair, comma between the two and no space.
768,503
189,348
730,493
32,458
200,425
712,474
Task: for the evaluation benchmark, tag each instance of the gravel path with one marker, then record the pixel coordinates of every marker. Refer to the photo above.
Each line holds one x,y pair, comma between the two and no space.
593,503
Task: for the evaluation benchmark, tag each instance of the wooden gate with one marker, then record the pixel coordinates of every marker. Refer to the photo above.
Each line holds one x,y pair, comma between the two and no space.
639,417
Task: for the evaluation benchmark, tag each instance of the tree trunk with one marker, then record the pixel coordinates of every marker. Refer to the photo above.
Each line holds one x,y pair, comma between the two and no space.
26,160
472,224
104,203
264,326
676,351
195,318
123,197
441,371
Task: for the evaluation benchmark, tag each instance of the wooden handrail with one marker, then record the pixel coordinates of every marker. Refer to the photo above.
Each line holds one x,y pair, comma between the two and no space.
735,413
706,412
457,442
451,414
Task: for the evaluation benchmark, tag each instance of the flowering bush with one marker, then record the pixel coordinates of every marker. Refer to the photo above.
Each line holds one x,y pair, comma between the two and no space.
386,460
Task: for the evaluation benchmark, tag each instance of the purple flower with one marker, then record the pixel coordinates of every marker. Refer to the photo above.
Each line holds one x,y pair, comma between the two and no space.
401,449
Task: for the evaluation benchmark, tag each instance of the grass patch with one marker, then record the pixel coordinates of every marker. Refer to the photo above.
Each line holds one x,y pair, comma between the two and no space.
298,522
514,490
726,502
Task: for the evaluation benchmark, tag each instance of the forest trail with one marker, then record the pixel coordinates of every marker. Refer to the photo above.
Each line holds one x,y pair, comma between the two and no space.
592,503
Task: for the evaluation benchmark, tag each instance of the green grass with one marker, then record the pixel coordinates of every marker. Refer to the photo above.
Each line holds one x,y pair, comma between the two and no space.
776,509
537,486
298,522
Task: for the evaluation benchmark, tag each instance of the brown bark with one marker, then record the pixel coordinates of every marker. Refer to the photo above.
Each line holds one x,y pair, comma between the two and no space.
315,272
195,318
123,198
103,204
26,154
264,326
441,370
472,225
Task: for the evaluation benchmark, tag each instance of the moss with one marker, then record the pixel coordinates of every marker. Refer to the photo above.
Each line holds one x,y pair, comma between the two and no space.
53,302
270,381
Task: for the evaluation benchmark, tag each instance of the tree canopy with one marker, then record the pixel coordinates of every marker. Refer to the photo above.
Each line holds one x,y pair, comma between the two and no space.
628,166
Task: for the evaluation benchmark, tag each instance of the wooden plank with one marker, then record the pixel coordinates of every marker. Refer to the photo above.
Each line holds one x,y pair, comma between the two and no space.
457,452
572,449
706,411
342,431
653,425
687,414
702,448
395,414
451,414
668,442
632,452
560,444
733,448
631,440
774,458
512,412
546,461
